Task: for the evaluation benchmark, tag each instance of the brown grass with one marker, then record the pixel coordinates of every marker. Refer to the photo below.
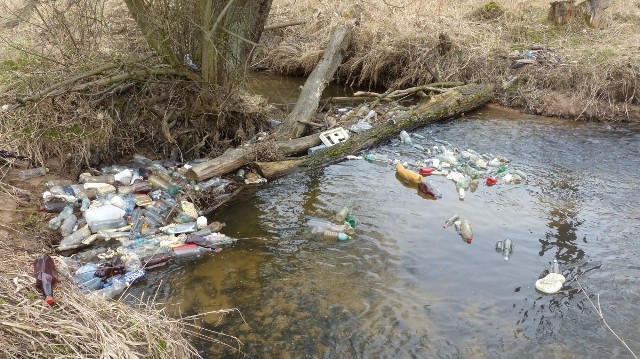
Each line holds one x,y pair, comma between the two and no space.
397,44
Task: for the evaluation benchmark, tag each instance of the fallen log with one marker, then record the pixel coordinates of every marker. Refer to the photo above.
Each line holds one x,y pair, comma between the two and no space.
307,104
234,158
453,103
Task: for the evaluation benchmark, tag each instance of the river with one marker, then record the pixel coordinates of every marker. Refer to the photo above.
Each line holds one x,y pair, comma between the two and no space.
404,287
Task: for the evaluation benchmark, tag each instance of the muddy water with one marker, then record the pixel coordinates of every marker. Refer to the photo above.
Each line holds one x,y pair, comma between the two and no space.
404,287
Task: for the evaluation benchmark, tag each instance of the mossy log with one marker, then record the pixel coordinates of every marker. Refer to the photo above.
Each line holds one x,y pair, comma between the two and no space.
234,158
452,103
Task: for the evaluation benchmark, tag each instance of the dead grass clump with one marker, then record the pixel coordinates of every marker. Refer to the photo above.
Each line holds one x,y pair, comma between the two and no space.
79,325
399,45
489,11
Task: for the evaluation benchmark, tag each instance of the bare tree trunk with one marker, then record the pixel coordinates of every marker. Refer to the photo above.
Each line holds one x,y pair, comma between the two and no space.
561,11
598,7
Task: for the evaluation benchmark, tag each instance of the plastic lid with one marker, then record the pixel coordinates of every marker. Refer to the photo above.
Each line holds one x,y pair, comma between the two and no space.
49,300
426,170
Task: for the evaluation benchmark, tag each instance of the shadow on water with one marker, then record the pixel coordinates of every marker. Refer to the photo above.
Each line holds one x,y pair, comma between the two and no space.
404,287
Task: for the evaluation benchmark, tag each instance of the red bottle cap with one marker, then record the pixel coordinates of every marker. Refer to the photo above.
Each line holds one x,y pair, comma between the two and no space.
469,240
49,300
425,171
491,181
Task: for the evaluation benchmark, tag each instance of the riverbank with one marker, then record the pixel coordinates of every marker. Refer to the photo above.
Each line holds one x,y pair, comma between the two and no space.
578,73
78,323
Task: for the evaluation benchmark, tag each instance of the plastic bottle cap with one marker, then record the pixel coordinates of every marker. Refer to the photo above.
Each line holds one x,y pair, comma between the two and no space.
425,171
49,300
491,181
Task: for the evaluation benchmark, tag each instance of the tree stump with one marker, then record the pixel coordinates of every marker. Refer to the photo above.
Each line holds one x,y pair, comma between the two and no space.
560,12
597,12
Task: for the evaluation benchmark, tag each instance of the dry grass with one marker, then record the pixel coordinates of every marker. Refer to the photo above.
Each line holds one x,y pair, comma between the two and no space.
397,44
79,325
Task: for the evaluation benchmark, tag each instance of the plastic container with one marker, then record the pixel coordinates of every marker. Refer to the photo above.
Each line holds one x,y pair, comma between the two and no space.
44,270
341,216
188,250
428,187
464,230
450,220
56,222
407,174
54,205
426,171
461,194
317,148
75,237
319,225
334,136
334,236
376,157
180,228
33,172
507,249
67,225
103,213
105,224
157,182
405,137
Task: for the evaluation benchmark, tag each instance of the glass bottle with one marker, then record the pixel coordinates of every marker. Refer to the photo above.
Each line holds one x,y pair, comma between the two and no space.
44,270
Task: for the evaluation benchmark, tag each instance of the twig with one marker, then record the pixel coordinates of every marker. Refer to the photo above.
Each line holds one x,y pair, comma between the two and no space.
286,24
598,310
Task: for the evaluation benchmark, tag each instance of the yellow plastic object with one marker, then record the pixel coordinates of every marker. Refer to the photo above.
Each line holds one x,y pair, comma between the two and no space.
407,174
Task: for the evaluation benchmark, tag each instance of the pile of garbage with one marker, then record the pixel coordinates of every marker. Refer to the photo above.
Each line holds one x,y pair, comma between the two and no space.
534,54
134,218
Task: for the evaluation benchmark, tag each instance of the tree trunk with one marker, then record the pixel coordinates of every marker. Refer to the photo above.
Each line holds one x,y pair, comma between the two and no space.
455,102
560,12
598,7
322,74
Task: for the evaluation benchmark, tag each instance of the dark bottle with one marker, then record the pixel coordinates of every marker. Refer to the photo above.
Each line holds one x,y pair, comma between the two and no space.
54,205
44,270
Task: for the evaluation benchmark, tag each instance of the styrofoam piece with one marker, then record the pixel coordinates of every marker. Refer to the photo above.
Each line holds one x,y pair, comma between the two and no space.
550,284
334,136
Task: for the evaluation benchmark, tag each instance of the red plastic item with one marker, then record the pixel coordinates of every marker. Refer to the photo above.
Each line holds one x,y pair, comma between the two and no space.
491,181
44,270
425,171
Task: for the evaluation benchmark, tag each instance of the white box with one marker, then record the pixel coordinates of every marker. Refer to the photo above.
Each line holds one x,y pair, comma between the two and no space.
334,136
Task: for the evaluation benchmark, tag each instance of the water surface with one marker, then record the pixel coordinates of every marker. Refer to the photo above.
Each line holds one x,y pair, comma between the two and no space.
404,287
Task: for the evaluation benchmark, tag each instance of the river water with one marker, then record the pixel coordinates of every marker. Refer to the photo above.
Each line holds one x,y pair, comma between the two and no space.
404,287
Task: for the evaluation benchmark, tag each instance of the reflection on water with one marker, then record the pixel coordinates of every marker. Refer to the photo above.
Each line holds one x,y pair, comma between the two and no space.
407,288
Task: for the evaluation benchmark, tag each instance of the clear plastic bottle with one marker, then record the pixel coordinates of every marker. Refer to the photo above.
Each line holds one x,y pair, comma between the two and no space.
555,267
107,224
463,228
180,228
335,236
75,237
376,157
67,225
33,172
158,182
44,270
56,222
341,215
450,221
507,249
320,225
405,137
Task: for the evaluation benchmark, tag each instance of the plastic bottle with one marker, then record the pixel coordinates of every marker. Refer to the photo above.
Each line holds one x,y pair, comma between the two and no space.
464,230
75,237
376,157
44,270
67,225
335,236
54,205
405,137
116,288
507,249
428,187
180,228
341,216
33,172
52,183
320,225
98,179
105,212
555,267
450,221
56,222
158,182
107,224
